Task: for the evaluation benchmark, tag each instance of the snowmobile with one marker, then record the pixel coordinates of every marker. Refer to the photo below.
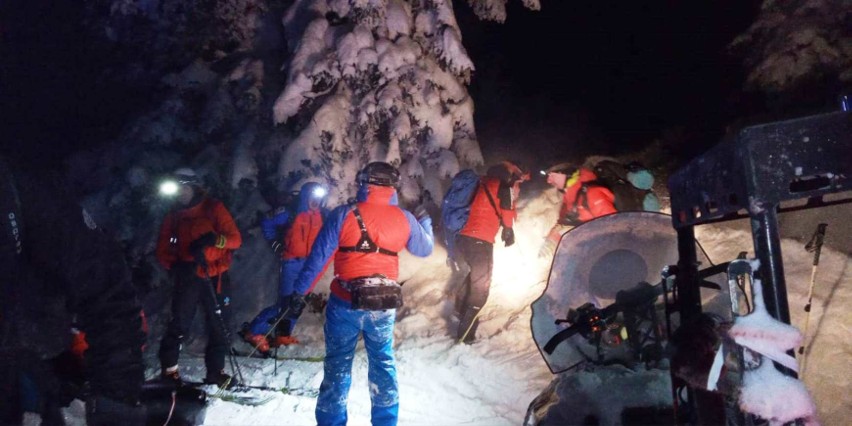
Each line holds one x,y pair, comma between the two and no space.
602,269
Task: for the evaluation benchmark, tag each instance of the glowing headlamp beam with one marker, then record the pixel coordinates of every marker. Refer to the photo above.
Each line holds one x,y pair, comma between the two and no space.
169,188
319,192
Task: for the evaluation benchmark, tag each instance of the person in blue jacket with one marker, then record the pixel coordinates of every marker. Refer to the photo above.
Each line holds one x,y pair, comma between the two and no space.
301,228
363,239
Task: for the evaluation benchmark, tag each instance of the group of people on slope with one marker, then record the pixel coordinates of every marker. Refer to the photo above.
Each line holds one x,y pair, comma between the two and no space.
362,239
196,242
493,207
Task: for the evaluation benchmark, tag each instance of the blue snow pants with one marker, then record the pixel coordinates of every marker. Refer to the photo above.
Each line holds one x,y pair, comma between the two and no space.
263,321
343,325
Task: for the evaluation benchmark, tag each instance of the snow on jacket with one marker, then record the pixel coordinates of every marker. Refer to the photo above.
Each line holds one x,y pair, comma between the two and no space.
301,233
187,225
484,222
389,226
600,200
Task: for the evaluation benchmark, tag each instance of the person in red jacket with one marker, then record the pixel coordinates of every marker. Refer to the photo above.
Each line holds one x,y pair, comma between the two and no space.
582,201
196,242
493,207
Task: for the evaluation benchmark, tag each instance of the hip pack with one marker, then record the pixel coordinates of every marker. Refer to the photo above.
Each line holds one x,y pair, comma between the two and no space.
374,293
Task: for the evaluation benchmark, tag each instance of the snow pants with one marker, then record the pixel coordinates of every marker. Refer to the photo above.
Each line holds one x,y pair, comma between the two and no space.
192,291
343,325
262,323
478,255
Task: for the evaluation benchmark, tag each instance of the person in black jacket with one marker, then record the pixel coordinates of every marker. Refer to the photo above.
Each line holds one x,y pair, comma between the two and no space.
55,265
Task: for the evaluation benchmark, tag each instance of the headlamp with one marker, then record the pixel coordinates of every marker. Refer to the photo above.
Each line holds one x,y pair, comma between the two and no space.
319,192
169,188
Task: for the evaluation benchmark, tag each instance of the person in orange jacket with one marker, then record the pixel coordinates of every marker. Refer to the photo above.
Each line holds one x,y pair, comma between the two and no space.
582,201
196,242
493,207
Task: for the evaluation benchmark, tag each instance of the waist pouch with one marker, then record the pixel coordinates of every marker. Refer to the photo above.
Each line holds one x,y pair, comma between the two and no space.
376,293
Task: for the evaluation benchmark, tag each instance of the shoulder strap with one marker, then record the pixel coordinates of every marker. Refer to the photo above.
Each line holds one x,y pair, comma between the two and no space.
493,204
583,196
365,244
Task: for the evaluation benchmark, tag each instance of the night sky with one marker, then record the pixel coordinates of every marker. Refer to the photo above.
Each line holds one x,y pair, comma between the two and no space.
586,77
576,78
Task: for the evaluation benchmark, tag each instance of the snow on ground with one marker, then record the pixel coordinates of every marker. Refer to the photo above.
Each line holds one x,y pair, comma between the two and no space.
493,381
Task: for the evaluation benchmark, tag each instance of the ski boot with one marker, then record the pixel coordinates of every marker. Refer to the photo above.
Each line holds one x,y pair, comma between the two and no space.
171,375
258,341
468,325
224,381
284,341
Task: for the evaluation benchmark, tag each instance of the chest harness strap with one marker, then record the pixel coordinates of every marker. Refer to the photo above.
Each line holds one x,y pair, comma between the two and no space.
365,244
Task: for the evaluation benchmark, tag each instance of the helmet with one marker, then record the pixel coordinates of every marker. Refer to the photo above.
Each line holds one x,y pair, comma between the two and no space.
186,176
379,173
315,189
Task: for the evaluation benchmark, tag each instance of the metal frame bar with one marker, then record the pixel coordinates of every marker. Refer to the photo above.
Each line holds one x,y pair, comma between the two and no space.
756,171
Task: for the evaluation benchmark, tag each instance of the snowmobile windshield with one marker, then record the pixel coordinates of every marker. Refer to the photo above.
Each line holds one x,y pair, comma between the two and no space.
592,263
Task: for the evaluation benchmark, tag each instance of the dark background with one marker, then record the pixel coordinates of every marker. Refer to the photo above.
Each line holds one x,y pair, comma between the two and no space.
576,78
607,77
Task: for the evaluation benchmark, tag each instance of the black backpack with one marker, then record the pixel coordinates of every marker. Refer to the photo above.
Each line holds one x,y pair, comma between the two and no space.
628,196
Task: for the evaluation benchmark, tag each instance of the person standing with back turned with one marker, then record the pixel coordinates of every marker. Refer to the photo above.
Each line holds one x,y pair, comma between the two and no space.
363,239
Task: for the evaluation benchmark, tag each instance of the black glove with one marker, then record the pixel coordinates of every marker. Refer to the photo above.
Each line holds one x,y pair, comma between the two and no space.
508,237
277,247
207,240
101,410
296,304
420,212
196,248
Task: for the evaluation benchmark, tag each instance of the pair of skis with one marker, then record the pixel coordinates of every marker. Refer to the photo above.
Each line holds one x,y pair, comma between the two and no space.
249,395
260,355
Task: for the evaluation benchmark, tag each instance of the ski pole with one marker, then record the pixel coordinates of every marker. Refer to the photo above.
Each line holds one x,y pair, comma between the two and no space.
217,309
814,246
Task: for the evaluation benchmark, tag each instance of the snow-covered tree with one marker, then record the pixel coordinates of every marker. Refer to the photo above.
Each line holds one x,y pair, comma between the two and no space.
795,41
379,80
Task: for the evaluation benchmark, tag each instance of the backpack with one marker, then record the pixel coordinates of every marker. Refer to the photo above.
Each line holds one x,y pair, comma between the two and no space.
631,184
456,206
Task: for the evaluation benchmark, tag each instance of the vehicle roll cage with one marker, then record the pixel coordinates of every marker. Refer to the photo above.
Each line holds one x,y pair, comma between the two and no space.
757,174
